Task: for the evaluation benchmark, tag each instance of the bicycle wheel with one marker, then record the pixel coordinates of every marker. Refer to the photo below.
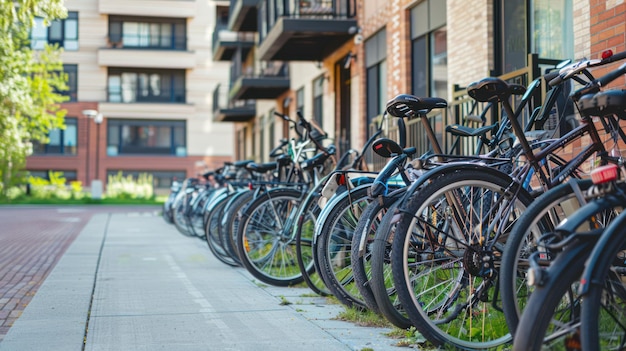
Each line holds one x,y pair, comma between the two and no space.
213,217
445,256
553,310
230,221
334,253
265,242
179,214
541,217
603,312
361,255
305,246
381,281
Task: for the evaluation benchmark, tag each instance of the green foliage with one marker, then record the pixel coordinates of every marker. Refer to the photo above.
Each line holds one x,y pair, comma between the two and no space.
49,189
28,102
76,189
127,187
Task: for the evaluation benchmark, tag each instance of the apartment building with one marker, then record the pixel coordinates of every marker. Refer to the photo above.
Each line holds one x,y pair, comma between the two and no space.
141,80
346,58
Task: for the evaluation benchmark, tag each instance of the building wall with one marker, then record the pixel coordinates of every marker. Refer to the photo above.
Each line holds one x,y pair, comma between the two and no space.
208,143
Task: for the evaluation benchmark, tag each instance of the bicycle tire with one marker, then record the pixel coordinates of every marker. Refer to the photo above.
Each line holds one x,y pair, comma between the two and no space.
230,220
604,306
305,245
542,216
467,315
334,240
544,301
212,232
265,242
381,282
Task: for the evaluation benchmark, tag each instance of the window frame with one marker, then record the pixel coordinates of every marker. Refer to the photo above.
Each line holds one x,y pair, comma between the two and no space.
177,37
116,146
36,43
376,75
175,78
47,149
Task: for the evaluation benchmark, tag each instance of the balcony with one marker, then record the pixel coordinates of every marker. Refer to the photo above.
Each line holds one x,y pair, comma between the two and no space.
243,15
304,30
226,42
267,82
152,8
226,110
147,58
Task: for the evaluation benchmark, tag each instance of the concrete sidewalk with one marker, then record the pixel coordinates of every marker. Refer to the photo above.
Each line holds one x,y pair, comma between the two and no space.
132,282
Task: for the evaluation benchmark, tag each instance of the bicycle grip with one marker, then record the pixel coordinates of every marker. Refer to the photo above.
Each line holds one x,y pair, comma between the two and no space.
379,186
611,76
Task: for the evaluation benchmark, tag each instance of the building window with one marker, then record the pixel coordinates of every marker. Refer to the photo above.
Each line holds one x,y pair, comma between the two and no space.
318,101
156,33
533,26
160,179
61,141
63,33
145,137
141,85
72,82
376,63
429,53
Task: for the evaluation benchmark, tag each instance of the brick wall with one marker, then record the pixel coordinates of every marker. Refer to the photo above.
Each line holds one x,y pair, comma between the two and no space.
607,31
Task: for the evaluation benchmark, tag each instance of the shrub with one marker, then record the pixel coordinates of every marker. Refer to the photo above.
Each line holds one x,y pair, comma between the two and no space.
49,189
127,187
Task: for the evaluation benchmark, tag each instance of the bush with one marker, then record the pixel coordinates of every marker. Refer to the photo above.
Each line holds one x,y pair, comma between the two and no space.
127,187
49,189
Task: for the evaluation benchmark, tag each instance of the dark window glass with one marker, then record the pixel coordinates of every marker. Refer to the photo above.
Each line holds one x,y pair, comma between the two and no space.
153,33
61,141
146,137
72,82
63,33
375,61
429,49
318,102
163,86
420,67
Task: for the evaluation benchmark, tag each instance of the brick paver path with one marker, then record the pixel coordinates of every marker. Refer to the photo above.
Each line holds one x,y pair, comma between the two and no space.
32,240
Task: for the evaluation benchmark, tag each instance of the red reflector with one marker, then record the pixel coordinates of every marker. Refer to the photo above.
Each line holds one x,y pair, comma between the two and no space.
604,174
606,54
250,186
378,146
341,179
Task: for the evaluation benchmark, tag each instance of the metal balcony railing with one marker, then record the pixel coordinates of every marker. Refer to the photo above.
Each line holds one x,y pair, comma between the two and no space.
271,10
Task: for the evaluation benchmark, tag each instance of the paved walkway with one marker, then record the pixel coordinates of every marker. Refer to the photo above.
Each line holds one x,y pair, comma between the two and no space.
130,281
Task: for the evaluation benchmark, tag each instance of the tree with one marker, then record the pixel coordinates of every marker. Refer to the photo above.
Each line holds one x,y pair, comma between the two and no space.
30,80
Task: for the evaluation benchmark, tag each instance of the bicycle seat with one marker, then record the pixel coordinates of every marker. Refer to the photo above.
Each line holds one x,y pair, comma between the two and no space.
459,130
243,163
404,105
261,167
283,160
611,102
318,159
488,89
386,147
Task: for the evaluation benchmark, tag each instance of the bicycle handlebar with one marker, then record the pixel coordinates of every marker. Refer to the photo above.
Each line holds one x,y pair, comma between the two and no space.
595,85
574,68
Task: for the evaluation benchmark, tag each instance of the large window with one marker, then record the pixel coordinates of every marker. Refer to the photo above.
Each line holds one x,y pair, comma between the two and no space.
72,82
62,141
429,49
141,137
376,63
141,85
544,27
318,101
60,32
153,33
